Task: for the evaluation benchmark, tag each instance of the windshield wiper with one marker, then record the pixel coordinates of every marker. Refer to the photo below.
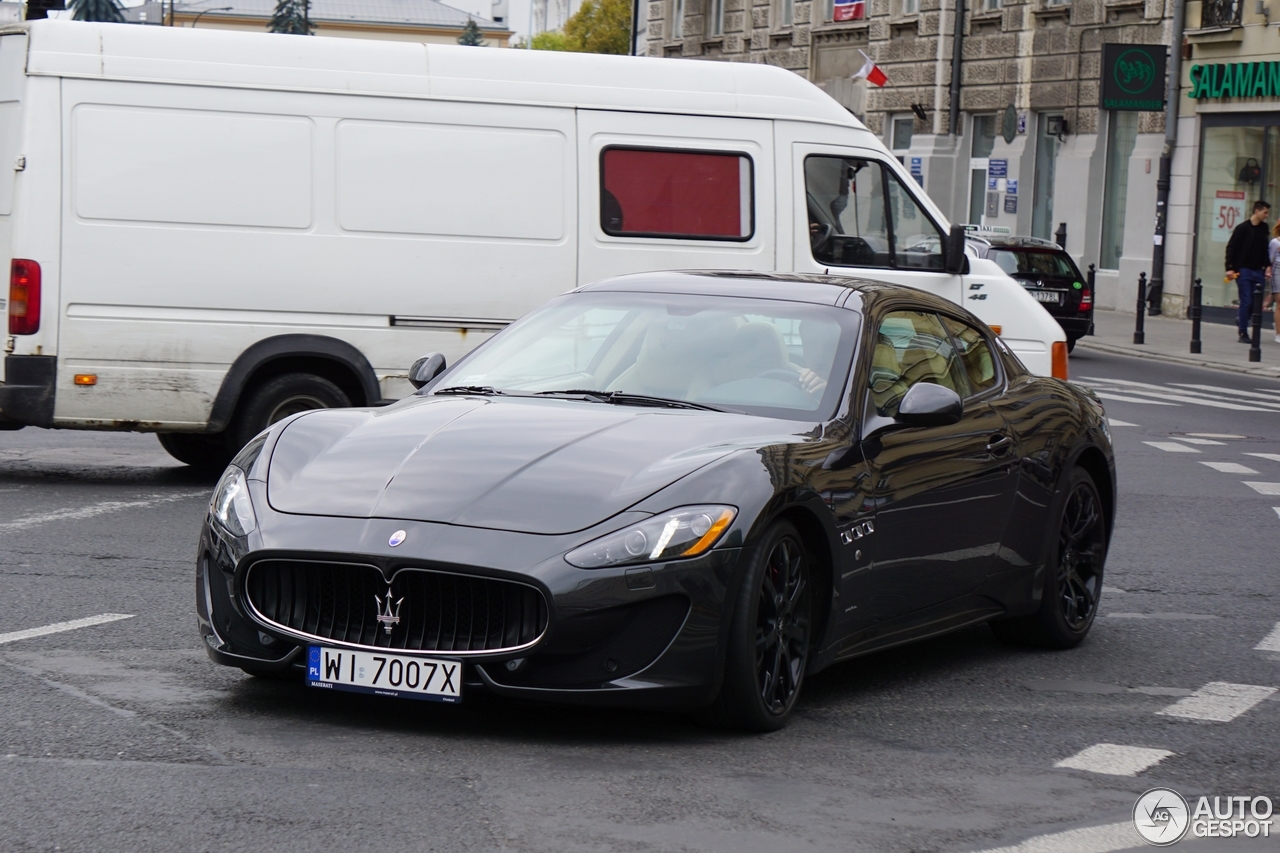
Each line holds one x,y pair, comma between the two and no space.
478,390
620,398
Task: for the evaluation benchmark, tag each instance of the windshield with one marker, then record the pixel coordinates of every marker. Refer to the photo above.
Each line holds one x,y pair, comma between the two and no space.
767,357
1034,262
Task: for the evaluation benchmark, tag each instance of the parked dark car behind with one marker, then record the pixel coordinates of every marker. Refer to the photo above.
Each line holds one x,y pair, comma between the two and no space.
1047,272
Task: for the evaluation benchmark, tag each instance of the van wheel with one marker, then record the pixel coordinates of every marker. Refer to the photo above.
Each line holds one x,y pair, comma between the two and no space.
278,398
202,452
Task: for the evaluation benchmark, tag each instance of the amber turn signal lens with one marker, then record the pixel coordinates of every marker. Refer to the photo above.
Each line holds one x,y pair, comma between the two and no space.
86,379
996,329
1059,359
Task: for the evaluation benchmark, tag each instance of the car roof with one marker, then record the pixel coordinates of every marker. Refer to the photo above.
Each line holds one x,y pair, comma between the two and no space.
1013,241
855,294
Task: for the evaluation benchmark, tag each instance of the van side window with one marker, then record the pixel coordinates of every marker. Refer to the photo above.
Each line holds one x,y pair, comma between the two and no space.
978,360
860,215
692,195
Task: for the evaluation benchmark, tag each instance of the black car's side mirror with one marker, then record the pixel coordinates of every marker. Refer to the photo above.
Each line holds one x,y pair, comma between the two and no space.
426,368
953,258
926,405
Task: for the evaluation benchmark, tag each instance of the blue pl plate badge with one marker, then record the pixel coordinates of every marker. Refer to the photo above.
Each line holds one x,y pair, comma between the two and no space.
313,663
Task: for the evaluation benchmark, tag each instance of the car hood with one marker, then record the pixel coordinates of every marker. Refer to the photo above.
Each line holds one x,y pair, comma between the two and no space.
534,466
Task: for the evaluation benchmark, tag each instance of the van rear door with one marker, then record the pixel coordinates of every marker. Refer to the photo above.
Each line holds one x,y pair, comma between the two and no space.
661,191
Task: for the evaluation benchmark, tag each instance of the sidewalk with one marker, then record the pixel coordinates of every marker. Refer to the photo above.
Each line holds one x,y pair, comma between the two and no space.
1169,340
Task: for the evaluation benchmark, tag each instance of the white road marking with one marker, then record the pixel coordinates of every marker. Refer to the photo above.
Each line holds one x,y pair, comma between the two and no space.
1120,423
1188,616
91,510
1218,701
1106,588
1277,509
59,627
1272,457
1271,642
1201,441
1171,446
1166,393
1271,398
1264,488
1091,839
1229,467
1109,396
1216,435
1115,760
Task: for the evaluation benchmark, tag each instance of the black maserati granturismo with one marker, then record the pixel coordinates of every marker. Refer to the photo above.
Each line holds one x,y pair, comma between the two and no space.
682,490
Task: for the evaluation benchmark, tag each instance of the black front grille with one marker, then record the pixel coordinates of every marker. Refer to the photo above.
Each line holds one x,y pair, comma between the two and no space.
436,611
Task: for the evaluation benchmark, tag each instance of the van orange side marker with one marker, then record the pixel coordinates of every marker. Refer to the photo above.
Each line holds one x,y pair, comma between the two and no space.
86,379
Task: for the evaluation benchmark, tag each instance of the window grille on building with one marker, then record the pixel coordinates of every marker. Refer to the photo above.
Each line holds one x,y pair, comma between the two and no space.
1220,13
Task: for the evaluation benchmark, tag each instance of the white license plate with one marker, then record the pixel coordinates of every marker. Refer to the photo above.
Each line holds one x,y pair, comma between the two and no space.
385,674
1051,296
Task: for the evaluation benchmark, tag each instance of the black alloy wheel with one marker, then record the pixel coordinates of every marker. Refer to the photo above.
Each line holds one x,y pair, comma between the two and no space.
771,635
1073,576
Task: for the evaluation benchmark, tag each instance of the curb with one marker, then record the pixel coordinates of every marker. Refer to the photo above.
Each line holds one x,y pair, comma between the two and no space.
1189,360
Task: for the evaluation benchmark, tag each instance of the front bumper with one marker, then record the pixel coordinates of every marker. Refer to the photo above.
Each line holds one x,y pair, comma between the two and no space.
648,638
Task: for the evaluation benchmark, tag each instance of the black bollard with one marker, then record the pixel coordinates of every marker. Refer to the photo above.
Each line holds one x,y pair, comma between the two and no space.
1140,336
1255,346
1060,236
1091,279
1196,289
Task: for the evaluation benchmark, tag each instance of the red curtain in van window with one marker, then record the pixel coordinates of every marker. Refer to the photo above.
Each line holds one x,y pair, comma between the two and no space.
673,194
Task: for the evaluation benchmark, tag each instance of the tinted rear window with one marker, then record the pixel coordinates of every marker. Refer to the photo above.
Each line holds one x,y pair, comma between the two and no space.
1034,261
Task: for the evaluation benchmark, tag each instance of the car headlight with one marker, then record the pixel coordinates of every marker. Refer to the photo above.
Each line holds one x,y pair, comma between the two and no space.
231,506
685,532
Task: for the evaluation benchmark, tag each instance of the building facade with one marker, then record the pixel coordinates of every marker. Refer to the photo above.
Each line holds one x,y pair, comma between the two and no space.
1036,148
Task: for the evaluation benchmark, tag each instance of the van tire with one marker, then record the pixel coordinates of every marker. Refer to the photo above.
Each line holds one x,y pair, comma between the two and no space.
279,397
202,452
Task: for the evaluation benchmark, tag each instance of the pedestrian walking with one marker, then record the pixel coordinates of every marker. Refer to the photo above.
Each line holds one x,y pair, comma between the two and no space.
1248,262
1273,278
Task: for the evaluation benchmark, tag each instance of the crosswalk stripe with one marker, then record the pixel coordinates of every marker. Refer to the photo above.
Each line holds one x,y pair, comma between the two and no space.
1218,702
1230,467
1106,395
1200,441
1270,398
1090,839
1171,446
1274,457
1194,397
1264,488
1271,642
1115,760
1119,423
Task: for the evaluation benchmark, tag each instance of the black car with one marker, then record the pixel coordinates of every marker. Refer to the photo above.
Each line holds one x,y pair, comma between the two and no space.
1047,272
684,490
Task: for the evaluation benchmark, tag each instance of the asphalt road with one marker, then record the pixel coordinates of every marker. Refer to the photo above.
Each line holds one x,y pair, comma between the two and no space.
123,737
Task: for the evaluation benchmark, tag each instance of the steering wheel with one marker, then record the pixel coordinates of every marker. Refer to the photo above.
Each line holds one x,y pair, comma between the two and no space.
820,238
783,374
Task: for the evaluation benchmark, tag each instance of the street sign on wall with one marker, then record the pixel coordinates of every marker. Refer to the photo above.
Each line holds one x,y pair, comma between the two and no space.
1133,76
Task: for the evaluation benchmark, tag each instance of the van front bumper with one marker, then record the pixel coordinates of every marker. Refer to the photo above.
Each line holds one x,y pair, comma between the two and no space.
27,394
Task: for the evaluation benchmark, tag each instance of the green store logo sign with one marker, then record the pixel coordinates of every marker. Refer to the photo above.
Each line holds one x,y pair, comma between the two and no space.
1235,80
1134,72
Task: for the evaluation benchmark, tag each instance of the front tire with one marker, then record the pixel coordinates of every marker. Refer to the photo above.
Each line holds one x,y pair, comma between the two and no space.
278,398
770,636
1073,577
202,452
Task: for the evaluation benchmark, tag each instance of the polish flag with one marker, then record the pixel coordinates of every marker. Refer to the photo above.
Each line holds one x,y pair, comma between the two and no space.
871,72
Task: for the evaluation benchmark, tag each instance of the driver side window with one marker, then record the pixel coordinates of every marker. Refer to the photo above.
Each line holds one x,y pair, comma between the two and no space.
860,215
911,347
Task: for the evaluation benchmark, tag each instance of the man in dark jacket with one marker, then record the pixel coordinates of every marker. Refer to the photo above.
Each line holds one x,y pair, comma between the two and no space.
1247,262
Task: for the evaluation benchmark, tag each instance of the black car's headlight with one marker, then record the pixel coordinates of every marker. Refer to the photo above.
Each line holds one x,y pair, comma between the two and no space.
231,506
685,532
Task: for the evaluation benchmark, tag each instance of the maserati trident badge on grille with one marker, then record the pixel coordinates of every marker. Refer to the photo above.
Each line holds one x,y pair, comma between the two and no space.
387,617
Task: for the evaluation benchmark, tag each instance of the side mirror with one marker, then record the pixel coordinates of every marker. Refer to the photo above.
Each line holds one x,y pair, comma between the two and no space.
953,257
426,368
926,405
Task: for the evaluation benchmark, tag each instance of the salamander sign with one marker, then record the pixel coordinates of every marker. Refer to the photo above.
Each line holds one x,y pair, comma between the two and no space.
1235,80
1133,76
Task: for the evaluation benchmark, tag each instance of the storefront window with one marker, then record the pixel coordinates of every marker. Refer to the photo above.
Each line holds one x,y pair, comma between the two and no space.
1122,133
981,145
1231,179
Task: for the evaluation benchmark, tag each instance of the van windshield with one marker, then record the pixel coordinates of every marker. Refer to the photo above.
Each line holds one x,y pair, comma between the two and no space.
759,356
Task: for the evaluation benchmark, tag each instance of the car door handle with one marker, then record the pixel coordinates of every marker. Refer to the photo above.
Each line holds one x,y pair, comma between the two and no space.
999,444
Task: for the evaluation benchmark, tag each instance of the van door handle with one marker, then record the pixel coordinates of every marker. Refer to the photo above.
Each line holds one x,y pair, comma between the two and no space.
999,444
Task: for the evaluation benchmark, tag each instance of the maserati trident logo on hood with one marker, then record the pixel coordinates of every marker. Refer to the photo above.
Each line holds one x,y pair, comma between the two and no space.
397,538
387,617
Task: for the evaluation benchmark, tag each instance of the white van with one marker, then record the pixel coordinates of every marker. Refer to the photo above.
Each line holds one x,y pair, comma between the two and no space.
211,230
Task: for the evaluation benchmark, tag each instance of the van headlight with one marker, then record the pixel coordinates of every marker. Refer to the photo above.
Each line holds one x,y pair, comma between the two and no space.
231,506
685,532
